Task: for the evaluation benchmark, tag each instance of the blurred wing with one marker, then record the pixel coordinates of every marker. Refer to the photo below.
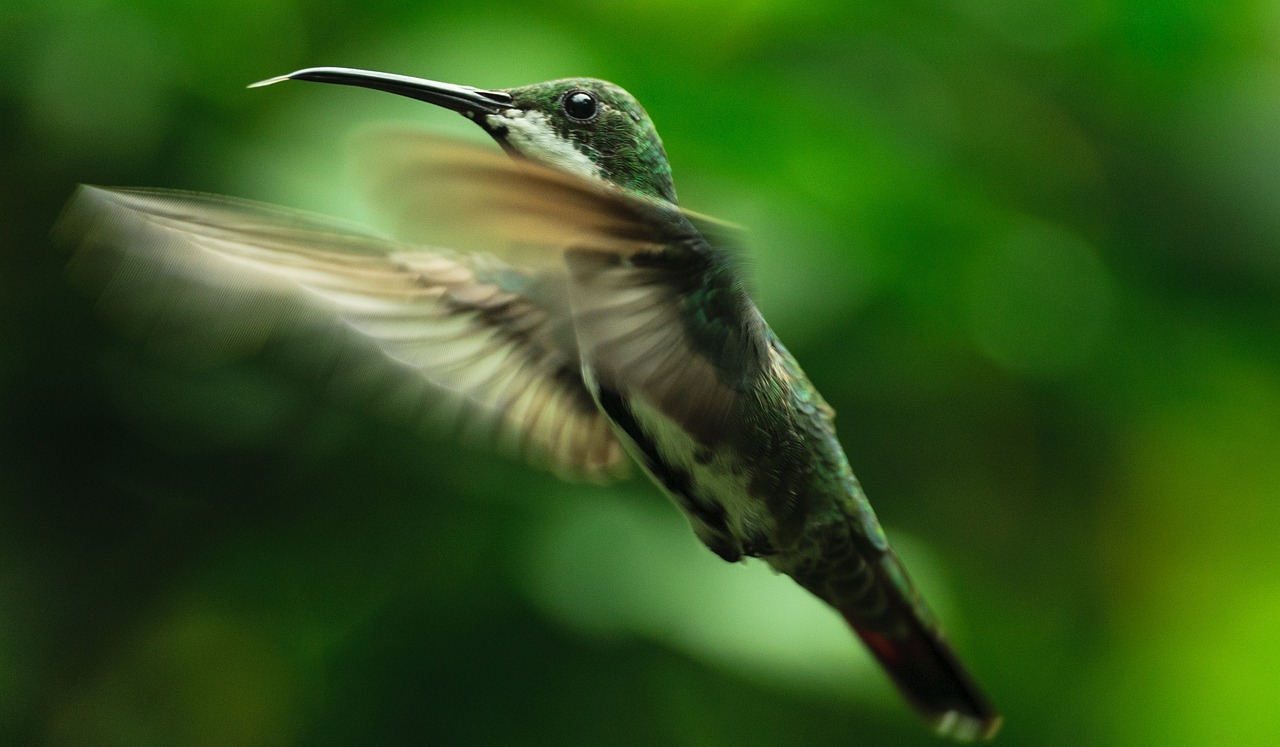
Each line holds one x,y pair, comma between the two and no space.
451,193
658,310
494,344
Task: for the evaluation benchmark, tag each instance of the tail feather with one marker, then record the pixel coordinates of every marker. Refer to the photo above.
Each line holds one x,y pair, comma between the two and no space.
933,680
890,616
849,565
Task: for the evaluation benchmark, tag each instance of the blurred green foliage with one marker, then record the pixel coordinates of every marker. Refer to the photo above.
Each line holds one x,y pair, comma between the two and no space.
1028,251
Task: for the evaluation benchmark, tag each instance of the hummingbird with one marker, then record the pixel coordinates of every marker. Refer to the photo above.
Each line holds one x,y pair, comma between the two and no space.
591,320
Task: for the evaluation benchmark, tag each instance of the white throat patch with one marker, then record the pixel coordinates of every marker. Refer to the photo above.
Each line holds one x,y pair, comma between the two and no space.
531,135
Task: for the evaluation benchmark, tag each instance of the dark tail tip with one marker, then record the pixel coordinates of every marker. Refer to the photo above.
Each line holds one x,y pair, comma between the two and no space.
933,680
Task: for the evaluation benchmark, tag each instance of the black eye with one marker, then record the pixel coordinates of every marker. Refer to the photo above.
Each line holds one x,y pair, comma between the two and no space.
580,105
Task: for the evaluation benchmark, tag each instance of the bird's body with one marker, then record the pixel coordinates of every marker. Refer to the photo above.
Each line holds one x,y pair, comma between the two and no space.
604,319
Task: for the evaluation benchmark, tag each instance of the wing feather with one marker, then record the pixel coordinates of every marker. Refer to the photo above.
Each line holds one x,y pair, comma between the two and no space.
554,271
494,353
658,310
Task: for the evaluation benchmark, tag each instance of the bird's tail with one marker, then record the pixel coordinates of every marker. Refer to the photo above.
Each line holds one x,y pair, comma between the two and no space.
913,651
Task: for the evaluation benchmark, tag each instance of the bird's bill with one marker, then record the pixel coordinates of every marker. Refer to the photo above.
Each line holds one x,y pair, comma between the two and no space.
463,99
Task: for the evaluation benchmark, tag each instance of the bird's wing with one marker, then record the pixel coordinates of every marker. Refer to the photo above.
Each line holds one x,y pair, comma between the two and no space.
491,344
658,308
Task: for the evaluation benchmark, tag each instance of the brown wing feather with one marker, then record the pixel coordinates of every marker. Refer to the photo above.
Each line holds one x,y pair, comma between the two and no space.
504,356
446,193
634,264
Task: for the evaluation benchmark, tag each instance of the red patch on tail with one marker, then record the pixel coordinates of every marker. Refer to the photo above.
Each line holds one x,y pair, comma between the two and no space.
881,646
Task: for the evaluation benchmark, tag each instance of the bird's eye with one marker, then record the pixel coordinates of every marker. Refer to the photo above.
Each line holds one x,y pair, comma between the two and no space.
580,105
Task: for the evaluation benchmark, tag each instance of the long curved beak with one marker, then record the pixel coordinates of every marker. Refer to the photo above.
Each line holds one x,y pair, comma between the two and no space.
466,100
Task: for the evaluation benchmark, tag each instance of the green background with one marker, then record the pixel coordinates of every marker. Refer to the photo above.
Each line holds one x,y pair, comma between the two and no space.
1028,251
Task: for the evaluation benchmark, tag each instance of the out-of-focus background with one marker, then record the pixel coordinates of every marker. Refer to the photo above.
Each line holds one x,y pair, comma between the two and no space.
1029,252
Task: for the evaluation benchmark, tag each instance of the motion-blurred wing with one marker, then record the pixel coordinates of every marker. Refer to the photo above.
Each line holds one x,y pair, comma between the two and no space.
495,343
451,193
658,309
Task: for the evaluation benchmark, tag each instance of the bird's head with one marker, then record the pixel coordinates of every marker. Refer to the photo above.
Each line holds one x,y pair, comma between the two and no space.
591,128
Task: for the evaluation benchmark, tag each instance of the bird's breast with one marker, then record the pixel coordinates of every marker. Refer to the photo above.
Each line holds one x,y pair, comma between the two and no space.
712,485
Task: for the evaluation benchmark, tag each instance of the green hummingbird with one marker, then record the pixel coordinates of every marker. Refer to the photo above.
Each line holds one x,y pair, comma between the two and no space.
590,318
